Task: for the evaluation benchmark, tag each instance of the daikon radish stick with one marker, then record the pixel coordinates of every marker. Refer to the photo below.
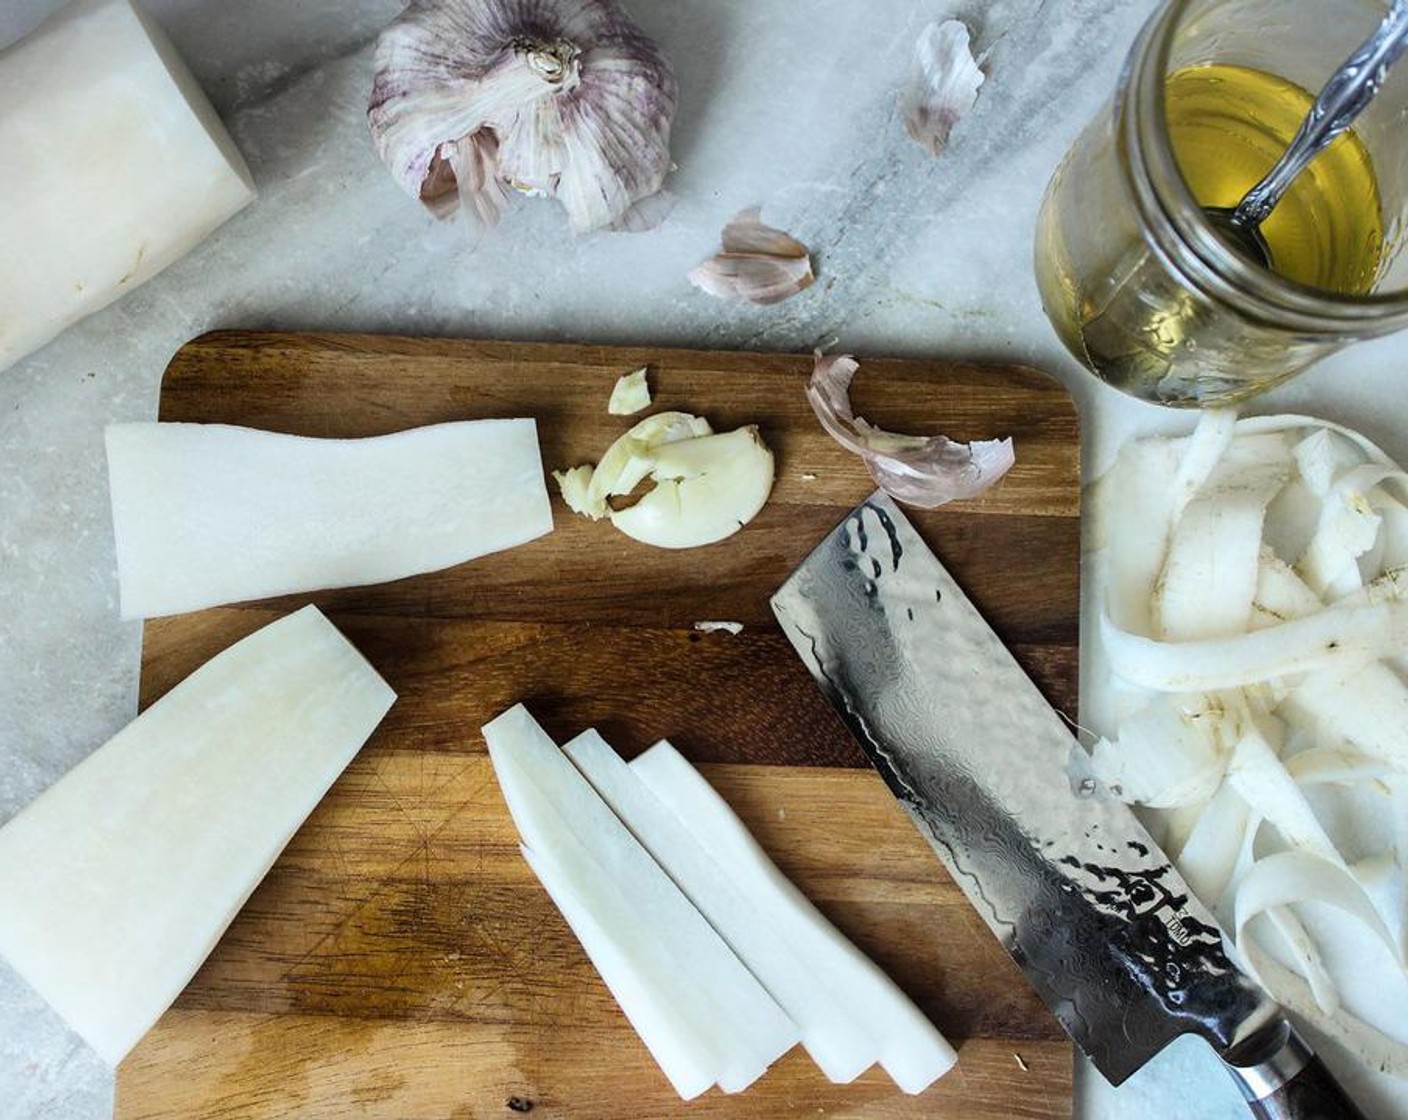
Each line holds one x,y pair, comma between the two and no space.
912,1051
687,1059
118,881
841,1048
112,166
725,1015
207,513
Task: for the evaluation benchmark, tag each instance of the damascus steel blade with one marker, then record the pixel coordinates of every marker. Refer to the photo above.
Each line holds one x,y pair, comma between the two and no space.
1065,876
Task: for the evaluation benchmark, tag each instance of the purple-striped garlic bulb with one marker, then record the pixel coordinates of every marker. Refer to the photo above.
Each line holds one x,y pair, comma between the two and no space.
473,99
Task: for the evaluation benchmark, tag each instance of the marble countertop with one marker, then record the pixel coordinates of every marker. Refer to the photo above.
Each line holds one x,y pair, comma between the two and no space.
792,106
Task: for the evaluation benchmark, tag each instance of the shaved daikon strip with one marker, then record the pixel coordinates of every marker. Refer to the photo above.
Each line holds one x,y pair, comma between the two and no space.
206,514
1208,859
1140,496
639,910
1171,753
1382,880
118,881
1322,748
1281,595
1367,707
1257,774
1209,576
686,1057
841,1048
1288,878
1329,764
1296,939
1340,636
912,1051
1211,437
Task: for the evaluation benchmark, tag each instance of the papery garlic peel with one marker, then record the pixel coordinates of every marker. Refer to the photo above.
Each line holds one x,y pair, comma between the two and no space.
757,263
943,84
924,471
563,98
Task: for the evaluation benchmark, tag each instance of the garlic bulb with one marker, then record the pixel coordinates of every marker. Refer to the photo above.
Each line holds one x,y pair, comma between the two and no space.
566,99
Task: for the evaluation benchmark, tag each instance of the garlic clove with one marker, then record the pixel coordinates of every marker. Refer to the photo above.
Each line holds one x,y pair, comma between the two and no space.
758,263
626,462
575,485
716,489
558,98
631,394
924,471
943,84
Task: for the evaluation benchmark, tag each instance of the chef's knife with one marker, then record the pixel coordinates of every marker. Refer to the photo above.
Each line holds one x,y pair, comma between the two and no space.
1065,876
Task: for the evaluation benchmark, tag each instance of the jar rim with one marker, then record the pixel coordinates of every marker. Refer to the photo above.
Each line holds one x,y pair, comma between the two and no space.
1180,233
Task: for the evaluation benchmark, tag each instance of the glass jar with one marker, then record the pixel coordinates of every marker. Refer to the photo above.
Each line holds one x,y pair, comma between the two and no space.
1139,285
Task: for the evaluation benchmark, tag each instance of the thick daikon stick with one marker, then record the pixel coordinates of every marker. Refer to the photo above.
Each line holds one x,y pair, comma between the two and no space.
912,1051
207,514
112,166
839,1045
688,1059
118,881
721,1014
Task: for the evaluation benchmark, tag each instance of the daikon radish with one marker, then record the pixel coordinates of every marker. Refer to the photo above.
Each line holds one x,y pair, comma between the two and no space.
118,881
839,1045
697,1001
911,1050
207,514
113,165
687,1058
1280,577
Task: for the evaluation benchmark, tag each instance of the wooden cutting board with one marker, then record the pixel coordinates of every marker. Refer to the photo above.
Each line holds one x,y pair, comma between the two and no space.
400,961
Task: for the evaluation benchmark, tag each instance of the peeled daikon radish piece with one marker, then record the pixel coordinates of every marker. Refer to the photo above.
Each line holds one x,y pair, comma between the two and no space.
911,1049
207,513
112,166
119,879
839,1044
699,1010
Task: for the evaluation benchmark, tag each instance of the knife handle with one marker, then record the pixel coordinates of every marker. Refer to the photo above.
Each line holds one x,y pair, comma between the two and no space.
1290,1082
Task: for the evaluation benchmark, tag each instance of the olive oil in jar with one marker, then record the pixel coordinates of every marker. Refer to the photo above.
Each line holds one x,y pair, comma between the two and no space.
1229,124
1226,126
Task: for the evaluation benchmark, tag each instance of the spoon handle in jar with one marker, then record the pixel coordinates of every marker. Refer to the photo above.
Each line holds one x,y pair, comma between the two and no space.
1351,88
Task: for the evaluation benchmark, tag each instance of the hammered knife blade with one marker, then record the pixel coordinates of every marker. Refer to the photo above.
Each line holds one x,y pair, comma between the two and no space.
1067,879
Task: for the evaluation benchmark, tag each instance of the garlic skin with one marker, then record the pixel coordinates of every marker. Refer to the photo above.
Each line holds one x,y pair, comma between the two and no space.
943,84
757,263
565,99
923,471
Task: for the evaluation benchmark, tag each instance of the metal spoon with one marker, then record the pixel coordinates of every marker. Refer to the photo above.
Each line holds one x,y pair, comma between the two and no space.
1342,99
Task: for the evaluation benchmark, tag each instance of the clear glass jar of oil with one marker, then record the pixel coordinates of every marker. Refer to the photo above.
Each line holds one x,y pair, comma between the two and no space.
1138,284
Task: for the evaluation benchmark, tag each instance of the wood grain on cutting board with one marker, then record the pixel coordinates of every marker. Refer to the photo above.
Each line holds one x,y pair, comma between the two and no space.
400,961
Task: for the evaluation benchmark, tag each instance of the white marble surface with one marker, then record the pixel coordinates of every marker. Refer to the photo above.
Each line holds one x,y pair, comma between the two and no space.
789,105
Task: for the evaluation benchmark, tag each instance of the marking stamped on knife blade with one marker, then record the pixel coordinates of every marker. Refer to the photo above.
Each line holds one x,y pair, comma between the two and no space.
1068,880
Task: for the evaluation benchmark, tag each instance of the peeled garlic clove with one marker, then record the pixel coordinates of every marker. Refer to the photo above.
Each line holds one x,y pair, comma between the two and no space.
758,263
703,493
630,395
557,98
943,84
627,461
924,471
575,485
